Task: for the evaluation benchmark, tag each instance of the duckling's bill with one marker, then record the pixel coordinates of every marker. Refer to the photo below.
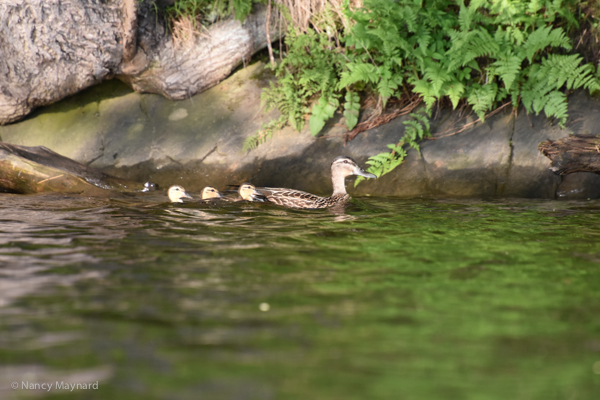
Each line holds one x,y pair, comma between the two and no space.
177,193
248,192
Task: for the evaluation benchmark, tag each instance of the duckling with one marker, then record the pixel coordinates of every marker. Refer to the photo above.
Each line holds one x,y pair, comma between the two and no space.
176,193
248,192
340,169
210,192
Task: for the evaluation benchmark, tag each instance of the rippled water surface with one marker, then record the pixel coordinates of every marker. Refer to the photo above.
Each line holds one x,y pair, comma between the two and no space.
395,299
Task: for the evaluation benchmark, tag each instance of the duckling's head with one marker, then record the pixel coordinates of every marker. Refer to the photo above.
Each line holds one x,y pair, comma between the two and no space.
210,192
345,166
248,192
176,193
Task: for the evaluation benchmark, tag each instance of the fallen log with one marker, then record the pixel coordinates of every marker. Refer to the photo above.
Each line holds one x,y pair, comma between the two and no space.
575,153
28,170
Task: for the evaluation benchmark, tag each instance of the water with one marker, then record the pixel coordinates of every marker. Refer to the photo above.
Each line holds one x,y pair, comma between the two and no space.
395,299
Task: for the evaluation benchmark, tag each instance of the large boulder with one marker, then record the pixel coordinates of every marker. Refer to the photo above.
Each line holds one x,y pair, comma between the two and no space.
51,49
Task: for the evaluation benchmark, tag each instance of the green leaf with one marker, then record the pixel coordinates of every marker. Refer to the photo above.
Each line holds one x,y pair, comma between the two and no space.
351,109
454,92
321,113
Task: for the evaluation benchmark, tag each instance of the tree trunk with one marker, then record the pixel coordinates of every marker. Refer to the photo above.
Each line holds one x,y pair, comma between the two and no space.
575,153
180,70
37,169
50,49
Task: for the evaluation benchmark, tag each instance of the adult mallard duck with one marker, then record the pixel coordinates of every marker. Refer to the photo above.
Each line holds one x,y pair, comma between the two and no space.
248,192
177,193
340,169
210,192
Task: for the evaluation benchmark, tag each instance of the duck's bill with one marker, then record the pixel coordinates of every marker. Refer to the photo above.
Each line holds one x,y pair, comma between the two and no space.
259,197
184,194
360,172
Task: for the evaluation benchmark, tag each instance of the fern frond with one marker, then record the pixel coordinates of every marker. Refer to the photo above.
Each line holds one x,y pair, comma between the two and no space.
543,37
322,111
358,72
465,17
351,109
410,18
266,133
437,76
508,68
467,46
416,129
556,106
454,91
560,69
423,87
482,98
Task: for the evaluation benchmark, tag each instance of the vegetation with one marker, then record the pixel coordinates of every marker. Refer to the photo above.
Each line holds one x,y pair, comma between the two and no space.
475,53
188,17
208,11
479,54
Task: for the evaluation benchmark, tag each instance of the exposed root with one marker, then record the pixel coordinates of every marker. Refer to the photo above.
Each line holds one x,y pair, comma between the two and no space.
450,132
406,106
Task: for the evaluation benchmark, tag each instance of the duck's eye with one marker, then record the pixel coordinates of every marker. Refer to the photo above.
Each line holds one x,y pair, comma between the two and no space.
345,161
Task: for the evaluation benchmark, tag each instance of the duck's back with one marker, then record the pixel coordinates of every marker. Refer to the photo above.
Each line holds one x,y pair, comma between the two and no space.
298,199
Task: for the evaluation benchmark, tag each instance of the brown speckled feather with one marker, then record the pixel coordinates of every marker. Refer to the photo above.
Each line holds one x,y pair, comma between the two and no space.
299,199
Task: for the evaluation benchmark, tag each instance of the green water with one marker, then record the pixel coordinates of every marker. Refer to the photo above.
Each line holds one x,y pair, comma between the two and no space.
395,299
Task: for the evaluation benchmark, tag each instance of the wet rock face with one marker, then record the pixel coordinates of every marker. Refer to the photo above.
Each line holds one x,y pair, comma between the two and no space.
198,142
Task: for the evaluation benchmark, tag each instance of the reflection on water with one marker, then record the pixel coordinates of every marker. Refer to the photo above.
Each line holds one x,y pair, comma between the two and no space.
391,299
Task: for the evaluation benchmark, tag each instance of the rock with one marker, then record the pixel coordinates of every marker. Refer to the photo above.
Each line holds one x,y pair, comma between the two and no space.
198,142
580,185
51,49
473,163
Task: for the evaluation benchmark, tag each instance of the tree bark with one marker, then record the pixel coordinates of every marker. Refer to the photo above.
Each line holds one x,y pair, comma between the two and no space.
181,70
575,153
50,49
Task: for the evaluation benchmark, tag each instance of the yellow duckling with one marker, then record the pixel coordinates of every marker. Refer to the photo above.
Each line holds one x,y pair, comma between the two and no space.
177,193
210,192
248,192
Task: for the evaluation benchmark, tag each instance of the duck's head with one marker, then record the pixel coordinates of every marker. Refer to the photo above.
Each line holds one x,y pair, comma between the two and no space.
176,193
345,166
248,192
210,192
